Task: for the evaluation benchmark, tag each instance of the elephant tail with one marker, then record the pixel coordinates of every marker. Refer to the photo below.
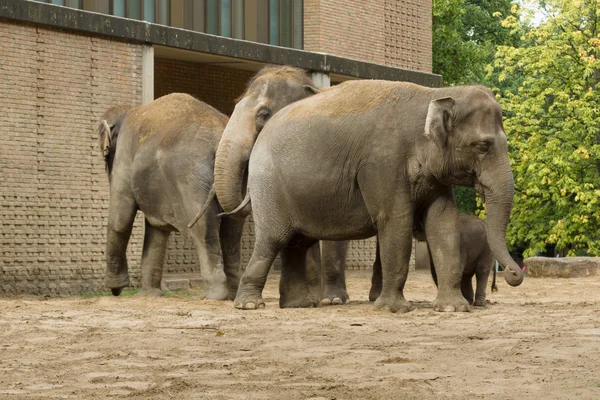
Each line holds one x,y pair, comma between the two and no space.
209,199
243,210
108,131
494,287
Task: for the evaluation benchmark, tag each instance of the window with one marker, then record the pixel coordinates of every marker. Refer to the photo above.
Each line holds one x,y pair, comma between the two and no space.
276,22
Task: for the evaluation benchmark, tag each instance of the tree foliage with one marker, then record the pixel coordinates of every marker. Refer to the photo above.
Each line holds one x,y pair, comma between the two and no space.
465,36
552,120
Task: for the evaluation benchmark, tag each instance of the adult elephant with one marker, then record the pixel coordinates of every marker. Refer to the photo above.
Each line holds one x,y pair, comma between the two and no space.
160,160
369,158
273,88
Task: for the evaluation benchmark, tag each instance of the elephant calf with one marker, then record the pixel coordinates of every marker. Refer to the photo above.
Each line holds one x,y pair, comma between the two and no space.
160,160
476,258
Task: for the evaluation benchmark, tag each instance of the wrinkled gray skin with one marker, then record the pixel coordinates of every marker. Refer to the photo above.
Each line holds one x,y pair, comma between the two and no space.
160,160
268,92
476,258
369,158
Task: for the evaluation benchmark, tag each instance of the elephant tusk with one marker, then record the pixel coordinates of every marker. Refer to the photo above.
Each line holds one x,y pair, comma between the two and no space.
240,207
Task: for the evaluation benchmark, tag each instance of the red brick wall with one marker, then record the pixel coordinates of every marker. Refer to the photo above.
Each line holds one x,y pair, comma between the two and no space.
54,86
389,32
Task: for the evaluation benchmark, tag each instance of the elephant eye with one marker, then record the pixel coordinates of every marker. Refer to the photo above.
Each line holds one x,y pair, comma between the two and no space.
262,116
482,147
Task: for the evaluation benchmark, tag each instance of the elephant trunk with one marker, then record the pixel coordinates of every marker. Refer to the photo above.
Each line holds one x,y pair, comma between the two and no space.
498,192
231,161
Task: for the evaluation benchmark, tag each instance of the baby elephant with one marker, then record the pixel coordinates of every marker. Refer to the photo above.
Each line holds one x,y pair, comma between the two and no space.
476,258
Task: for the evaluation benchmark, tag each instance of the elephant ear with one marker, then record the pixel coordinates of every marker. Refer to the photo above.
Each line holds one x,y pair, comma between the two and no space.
437,124
105,138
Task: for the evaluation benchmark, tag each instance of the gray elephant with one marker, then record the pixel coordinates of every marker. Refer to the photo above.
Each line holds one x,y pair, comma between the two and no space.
476,258
369,158
160,160
273,88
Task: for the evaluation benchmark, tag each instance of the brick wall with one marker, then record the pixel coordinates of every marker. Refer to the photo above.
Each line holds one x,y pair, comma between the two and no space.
388,32
54,87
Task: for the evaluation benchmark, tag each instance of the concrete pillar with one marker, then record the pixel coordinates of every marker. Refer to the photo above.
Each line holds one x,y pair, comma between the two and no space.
321,79
147,73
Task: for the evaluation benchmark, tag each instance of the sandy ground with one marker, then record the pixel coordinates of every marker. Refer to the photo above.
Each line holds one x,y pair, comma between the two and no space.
538,341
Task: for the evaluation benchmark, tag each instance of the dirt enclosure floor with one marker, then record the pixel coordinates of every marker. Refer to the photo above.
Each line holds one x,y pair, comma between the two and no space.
538,341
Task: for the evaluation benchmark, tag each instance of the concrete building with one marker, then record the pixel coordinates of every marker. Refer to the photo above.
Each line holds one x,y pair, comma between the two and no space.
64,62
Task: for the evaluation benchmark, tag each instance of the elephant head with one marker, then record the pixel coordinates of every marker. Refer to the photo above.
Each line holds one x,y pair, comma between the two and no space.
268,92
466,127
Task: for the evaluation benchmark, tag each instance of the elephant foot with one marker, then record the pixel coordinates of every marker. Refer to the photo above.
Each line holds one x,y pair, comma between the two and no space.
216,288
395,304
480,302
451,303
334,295
116,283
152,292
248,301
297,302
218,294
231,294
375,292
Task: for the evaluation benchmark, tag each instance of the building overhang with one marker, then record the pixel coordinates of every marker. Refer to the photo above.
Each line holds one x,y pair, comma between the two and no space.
200,47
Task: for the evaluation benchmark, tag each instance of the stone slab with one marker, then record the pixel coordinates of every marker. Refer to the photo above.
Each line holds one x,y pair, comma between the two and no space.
567,267
175,284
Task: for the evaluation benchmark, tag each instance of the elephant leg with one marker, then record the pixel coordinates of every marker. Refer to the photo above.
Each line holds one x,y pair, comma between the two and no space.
443,239
153,257
252,283
333,269
466,288
376,279
121,216
482,275
395,239
299,285
230,234
205,234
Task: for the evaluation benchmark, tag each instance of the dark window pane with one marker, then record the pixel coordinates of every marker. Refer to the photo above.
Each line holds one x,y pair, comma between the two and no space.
101,6
134,9
238,19
262,21
163,12
226,18
286,23
74,4
274,22
198,20
149,10
58,2
298,24
119,8
212,17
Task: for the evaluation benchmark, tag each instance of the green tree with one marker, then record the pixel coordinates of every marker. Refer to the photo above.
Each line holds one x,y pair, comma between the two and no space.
552,120
465,36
